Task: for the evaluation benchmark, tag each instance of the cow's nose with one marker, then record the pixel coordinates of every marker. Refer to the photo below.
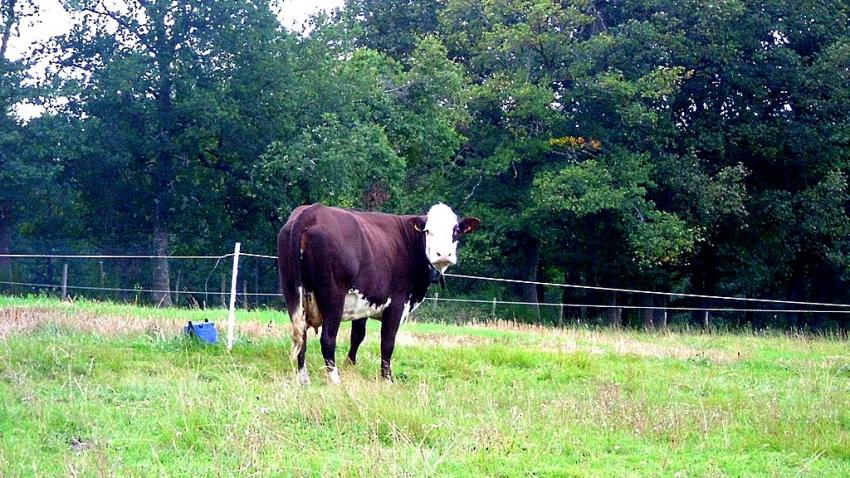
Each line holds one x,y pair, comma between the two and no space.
445,257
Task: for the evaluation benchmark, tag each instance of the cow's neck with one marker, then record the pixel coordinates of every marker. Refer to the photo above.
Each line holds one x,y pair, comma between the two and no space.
421,271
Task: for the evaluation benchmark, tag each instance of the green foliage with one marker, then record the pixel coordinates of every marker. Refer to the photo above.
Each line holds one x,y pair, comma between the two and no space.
336,164
674,145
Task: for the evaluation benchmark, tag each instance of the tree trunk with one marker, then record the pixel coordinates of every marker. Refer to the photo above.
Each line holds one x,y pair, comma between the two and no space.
5,244
531,264
163,172
705,277
796,289
615,314
648,314
256,282
565,299
161,274
11,18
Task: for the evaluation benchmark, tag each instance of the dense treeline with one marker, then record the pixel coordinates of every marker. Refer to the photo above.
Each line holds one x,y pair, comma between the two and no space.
690,146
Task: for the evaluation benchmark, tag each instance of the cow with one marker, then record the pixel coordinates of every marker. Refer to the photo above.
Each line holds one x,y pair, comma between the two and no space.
338,265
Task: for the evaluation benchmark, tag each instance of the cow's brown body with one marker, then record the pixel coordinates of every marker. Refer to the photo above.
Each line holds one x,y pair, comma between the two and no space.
337,265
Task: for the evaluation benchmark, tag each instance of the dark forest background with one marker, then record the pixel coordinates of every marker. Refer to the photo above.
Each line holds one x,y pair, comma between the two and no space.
691,146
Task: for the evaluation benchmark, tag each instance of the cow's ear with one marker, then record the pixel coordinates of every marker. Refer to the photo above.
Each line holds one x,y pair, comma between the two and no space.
417,223
468,225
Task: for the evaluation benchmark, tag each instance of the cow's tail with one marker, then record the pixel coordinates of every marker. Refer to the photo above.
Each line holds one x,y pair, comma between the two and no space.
291,281
299,326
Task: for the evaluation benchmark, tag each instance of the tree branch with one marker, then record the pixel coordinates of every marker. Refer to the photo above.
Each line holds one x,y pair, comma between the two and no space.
123,22
9,13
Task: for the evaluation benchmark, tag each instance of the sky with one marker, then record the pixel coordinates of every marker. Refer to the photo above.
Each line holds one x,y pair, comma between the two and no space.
54,20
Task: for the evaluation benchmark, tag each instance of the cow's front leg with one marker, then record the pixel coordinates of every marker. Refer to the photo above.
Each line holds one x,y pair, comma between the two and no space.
358,333
390,322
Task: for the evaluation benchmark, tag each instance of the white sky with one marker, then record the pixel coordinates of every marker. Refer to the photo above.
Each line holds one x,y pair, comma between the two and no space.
54,20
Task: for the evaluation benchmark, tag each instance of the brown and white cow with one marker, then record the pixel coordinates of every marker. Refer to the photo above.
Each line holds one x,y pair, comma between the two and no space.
337,265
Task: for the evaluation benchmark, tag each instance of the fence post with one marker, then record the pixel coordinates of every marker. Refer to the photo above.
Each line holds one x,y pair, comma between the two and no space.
102,277
65,281
231,315
706,321
436,299
493,310
245,302
561,316
223,296
177,289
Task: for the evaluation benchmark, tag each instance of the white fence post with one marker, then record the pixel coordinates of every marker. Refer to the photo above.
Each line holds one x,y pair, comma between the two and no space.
231,316
65,281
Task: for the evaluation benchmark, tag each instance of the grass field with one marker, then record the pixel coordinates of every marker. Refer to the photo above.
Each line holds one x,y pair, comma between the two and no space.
94,389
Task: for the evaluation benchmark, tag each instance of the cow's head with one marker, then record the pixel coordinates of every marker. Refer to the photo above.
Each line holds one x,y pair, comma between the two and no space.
442,232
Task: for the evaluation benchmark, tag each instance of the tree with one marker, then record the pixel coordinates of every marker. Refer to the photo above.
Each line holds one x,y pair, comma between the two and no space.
370,129
25,178
393,26
757,117
139,77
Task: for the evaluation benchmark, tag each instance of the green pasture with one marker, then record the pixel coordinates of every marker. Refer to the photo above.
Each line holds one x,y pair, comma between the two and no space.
97,389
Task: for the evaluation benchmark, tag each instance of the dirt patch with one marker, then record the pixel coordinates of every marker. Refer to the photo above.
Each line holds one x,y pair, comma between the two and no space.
28,320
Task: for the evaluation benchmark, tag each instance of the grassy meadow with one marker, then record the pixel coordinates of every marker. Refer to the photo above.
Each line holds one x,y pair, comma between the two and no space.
98,389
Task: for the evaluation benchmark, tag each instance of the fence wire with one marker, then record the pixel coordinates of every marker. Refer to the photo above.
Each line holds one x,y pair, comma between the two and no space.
436,299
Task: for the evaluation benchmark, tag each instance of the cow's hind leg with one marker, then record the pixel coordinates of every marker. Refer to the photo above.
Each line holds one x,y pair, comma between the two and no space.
328,341
358,333
301,359
299,338
331,318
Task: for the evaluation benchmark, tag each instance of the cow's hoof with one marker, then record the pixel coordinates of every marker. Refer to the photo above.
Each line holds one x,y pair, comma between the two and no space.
350,361
333,376
302,377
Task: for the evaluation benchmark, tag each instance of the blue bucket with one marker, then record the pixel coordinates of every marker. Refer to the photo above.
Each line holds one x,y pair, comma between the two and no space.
205,332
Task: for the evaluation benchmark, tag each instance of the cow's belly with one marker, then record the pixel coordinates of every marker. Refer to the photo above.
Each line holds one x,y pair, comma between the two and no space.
357,307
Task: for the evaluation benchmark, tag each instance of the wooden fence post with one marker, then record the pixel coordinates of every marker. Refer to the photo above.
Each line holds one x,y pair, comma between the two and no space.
177,289
561,316
65,281
245,294
222,290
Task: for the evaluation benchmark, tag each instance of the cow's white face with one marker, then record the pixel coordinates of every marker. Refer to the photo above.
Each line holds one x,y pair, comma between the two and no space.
442,233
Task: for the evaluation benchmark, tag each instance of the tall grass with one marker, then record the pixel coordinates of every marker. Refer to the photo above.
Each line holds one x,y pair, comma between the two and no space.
91,389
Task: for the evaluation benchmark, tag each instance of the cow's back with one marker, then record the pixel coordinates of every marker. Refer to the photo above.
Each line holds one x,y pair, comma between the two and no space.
324,247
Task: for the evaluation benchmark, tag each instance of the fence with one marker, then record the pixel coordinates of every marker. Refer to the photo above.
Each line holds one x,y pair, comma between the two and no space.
770,306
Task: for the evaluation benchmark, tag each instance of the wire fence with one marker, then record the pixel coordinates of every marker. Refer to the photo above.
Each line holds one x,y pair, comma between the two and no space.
263,290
